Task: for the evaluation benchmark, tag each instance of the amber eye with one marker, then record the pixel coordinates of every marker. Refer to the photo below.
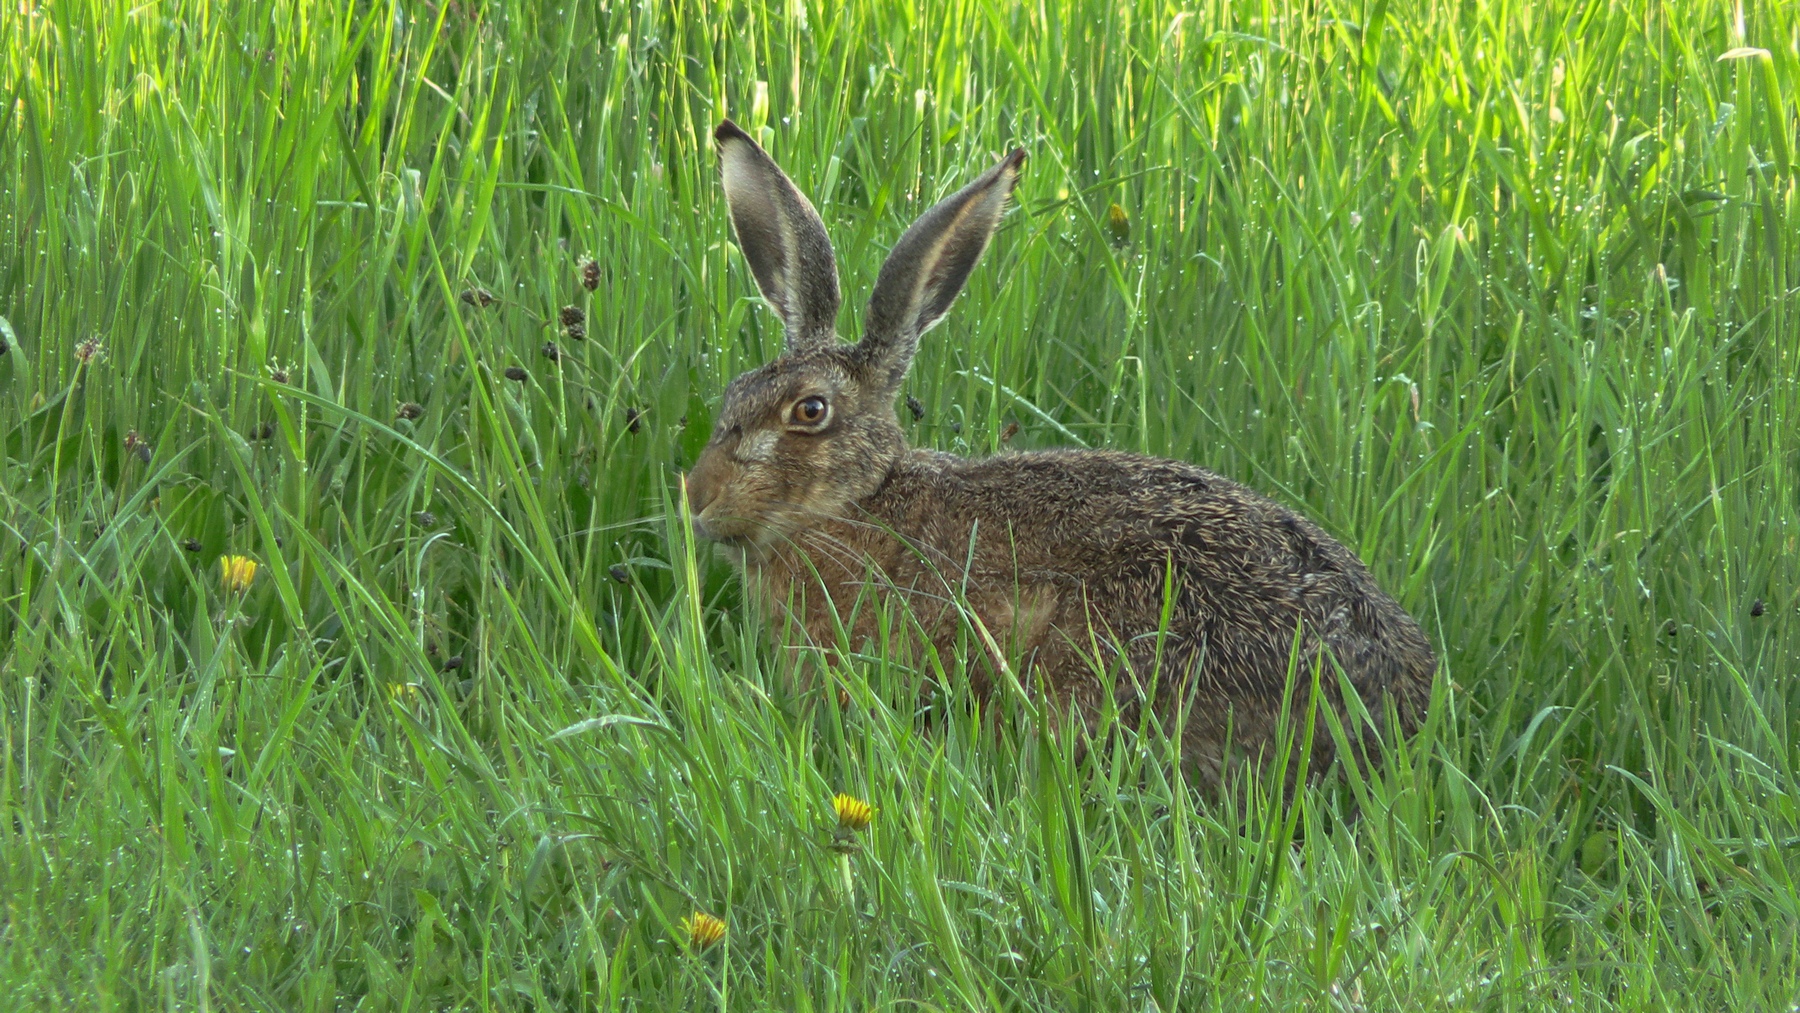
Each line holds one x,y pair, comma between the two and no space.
810,411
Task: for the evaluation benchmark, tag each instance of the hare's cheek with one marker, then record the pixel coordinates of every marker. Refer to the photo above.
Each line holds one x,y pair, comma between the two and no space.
757,448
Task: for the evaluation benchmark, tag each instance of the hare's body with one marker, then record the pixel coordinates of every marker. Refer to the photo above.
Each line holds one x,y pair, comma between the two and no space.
1066,596
1104,574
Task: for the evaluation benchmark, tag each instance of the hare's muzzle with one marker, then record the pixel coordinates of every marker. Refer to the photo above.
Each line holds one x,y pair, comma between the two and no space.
704,483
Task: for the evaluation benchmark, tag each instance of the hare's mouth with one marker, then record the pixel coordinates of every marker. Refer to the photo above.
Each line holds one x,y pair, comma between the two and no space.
730,532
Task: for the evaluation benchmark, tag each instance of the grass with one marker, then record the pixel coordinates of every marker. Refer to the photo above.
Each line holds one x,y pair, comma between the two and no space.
1502,293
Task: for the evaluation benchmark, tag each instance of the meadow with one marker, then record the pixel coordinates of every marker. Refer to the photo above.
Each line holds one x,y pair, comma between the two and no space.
422,308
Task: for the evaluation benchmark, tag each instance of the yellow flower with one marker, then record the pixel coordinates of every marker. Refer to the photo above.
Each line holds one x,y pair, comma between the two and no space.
853,813
703,930
1118,224
237,572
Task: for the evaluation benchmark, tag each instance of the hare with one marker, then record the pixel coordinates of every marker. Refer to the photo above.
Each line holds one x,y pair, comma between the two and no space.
1156,582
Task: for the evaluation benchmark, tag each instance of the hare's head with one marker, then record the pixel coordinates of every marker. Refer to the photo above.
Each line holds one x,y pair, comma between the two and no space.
814,431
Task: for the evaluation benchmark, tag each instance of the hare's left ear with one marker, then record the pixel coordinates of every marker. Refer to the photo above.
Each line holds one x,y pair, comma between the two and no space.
783,240
927,268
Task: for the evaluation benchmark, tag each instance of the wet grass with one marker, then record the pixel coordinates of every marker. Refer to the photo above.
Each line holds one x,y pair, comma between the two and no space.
1504,294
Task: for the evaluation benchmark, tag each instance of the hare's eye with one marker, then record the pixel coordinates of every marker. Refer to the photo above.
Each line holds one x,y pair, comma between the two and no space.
810,411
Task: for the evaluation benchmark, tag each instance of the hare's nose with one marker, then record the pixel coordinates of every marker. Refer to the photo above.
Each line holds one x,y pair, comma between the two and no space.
703,481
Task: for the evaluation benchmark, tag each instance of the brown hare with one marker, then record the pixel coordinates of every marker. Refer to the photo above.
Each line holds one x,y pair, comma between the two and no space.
1155,582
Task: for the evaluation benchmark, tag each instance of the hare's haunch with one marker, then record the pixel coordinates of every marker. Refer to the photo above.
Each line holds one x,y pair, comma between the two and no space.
1158,583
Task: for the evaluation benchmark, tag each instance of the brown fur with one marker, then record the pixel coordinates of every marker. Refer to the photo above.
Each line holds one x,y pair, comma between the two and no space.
1068,559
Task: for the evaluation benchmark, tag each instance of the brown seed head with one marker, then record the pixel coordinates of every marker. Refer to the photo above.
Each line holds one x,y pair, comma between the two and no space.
634,419
570,316
1757,608
89,350
551,352
480,298
191,544
409,410
589,270
915,406
516,373
619,573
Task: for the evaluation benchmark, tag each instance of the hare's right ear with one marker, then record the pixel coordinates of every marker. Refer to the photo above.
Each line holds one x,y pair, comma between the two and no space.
927,268
783,240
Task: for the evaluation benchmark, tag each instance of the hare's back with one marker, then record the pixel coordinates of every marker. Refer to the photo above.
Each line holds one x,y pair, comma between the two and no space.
1093,506
1245,570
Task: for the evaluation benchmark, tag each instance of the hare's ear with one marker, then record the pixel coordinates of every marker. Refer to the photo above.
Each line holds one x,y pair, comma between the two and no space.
783,240
928,267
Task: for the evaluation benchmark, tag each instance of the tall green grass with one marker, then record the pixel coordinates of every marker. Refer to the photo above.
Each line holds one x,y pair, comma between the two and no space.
1503,293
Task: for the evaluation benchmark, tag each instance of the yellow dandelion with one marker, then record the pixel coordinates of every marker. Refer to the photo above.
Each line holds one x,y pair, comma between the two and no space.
237,573
853,813
703,930
1118,224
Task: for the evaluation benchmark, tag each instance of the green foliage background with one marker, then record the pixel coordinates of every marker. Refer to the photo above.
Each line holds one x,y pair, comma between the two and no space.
1503,293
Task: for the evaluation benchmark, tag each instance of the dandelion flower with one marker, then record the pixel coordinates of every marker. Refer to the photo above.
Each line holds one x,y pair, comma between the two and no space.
703,930
1119,224
853,813
237,573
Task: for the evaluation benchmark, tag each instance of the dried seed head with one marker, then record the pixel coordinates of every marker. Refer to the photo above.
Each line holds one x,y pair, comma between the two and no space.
1011,430
589,270
1757,608
409,410
279,374
480,298
191,544
619,573
425,519
551,352
634,419
576,332
136,446
89,350
570,316
915,406
516,373
265,431
453,663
